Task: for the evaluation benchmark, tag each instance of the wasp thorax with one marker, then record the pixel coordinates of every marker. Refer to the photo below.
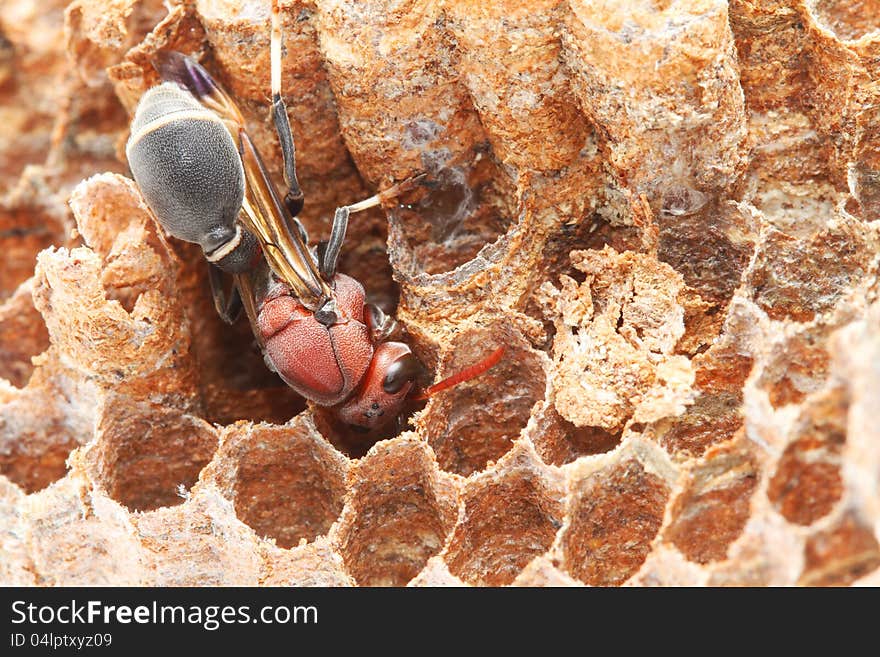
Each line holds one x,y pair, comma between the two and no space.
189,171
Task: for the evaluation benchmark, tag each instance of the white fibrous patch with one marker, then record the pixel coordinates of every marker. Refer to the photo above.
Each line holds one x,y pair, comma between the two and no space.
615,337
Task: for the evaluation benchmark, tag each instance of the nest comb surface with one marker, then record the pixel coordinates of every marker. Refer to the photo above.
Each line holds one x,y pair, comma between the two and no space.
667,210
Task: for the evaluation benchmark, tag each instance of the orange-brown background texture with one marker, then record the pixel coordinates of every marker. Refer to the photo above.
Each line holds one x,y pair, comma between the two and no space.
668,210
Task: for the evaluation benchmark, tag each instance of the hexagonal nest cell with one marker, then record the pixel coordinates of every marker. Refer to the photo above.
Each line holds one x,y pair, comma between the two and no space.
666,213
148,457
289,484
475,423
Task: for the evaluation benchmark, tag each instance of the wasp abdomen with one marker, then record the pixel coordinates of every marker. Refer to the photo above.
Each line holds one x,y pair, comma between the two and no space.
190,173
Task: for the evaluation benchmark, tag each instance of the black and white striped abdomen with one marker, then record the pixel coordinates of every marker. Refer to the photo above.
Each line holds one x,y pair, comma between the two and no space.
187,167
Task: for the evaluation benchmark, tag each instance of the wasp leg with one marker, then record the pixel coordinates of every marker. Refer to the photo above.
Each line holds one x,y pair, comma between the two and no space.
228,307
293,199
329,254
380,325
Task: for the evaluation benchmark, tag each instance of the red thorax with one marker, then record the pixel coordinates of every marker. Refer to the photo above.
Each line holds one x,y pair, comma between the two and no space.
323,364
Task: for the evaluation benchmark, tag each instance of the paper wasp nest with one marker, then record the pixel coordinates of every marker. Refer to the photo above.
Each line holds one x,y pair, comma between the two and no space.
668,211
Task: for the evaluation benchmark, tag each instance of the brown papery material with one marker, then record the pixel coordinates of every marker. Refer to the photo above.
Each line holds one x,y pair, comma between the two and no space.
667,212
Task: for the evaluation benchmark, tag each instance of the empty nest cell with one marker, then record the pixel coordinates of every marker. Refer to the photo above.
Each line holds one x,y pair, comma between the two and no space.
798,365
403,110
41,424
147,456
840,555
558,441
459,210
710,246
398,513
23,335
26,228
613,516
797,279
476,422
355,442
716,413
34,445
807,482
714,506
511,515
713,418
276,404
288,482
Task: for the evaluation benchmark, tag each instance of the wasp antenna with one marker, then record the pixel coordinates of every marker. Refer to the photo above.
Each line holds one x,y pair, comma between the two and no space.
386,195
402,187
294,198
275,50
466,374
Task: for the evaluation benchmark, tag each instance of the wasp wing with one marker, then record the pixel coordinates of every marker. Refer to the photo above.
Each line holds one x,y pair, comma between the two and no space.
284,250
262,211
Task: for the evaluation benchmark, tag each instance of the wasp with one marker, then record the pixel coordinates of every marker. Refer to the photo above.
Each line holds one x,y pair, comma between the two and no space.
204,180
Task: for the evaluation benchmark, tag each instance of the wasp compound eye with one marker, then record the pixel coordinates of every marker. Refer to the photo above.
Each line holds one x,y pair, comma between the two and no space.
189,170
400,372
